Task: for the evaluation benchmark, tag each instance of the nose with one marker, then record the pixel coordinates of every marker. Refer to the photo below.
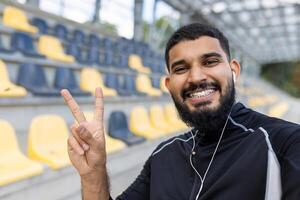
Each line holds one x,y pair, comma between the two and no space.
196,75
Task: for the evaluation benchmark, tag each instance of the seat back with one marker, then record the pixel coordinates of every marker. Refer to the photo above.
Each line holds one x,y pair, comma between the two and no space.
93,41
93,55
8,142
16,18
47,133
21,41
40,24
155,81
108,58
78,37
143,83
112,81
32,76
139,119
75,50
117,121
61,32
49,45
135,62
65,78
90,79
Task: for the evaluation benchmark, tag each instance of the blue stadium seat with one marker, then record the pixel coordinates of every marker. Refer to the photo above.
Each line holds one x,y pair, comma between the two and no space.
61,32
65,78
75,50
118,128
93,56
122,61
107,44
108,58
78,37
23,42
155,82
41,24
112,81
33,78
93,41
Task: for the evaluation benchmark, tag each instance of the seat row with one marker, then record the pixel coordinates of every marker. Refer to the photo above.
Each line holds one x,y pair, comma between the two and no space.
47,139
98,51
33,78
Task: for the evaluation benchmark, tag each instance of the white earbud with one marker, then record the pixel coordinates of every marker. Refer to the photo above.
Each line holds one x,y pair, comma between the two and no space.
234,76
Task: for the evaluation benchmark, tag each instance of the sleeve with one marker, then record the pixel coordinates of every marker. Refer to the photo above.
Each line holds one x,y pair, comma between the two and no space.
290,167
140,188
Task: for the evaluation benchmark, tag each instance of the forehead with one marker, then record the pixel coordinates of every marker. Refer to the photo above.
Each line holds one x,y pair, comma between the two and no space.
198,47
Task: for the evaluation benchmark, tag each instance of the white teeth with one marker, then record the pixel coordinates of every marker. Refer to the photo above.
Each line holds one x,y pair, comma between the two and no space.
202,93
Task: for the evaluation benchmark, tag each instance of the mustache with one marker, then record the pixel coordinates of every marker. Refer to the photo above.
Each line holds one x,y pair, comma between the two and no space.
200,86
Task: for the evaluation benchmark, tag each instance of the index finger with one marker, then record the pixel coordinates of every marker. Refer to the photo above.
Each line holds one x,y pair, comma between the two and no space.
99,108
75,109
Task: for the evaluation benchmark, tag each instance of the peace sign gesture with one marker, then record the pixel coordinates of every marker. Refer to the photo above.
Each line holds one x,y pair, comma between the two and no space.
86,145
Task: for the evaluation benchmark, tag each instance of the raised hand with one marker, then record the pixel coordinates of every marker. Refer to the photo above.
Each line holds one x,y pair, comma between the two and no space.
86,145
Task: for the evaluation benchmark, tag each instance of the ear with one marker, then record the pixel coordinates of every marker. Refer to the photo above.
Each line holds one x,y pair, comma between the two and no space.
167,81
235,68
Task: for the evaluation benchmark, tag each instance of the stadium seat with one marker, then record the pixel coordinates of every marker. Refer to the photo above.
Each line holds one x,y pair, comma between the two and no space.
74,50
93,41
140,124
172,117
24,43
91,78
33,78
143,84
15,166
41,24
136,63
122,61
111,144
112,81
108,58
158,120
15,18
118,128
65,78
52,49
7,88
93,56
47,141
78,37
61,32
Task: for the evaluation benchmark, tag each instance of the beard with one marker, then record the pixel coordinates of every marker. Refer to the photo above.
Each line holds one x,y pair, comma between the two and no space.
208,121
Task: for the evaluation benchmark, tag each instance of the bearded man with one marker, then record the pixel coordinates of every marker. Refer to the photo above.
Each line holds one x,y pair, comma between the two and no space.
231,152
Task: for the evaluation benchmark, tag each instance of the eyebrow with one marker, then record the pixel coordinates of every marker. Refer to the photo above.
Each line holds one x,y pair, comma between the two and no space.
212,54
179,62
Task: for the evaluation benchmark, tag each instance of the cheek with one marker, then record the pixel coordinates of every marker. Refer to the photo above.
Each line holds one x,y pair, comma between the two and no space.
176,84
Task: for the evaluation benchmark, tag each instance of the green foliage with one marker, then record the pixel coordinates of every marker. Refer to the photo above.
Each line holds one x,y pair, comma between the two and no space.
284,75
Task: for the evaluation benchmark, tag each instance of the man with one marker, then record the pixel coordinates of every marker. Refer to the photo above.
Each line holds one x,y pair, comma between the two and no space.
231,153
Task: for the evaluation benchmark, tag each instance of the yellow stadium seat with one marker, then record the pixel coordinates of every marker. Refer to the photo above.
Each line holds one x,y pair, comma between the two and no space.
7,88
279,110
14,165
52,48
172,117
143,84
158,120
162,85
47,142
111,144
140,124
16,18
91,78
135,62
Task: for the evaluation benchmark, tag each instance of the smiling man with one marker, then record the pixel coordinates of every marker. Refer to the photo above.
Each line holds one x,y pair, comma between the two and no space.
231,152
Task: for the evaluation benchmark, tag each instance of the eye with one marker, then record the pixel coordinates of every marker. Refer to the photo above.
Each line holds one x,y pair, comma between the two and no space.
211,62
179,69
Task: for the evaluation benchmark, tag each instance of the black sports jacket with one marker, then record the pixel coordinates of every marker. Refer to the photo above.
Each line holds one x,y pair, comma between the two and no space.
258,158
